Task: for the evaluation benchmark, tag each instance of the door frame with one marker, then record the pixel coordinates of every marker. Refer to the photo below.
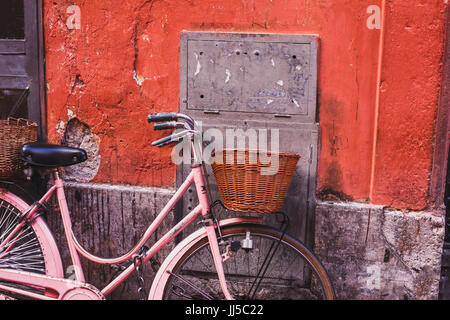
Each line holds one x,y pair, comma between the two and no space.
41,72
33,66
442,129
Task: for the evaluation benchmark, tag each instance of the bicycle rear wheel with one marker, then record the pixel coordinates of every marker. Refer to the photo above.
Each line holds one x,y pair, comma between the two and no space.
266,265
32,249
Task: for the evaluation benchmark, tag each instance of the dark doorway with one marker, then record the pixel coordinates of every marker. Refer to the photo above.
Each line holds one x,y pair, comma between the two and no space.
441,173
444,289
21,61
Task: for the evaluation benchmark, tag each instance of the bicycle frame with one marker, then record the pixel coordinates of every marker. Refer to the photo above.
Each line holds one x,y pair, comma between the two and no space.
57,287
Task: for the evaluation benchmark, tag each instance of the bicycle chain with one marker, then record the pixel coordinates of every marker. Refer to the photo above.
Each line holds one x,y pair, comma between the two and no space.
139,266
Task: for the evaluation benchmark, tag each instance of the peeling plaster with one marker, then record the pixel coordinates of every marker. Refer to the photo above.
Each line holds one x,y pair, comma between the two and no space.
139,79
78,135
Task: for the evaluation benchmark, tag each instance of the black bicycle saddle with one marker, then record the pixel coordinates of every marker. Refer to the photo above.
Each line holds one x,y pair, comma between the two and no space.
51,155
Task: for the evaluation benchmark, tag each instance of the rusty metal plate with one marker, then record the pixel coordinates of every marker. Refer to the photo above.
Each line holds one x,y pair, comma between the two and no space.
258,75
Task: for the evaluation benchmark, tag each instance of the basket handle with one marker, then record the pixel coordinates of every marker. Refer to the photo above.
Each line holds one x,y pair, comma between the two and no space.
18,102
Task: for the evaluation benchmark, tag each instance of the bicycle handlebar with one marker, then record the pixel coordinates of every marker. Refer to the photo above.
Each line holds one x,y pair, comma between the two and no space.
169,119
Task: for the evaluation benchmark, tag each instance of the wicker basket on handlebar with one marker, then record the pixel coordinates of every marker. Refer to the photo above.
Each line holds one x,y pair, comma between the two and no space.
251,181
13,134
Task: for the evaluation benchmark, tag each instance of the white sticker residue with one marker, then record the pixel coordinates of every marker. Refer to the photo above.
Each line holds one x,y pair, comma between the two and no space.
199,66
228,73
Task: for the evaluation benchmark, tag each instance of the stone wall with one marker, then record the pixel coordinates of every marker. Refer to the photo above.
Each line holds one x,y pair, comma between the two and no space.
108,221
372,252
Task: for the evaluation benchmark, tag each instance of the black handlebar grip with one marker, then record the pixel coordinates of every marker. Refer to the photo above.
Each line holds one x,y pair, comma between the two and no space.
165,125
163,116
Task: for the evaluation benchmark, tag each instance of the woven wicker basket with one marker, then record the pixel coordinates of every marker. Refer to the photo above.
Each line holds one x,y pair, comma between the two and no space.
13,134
247,183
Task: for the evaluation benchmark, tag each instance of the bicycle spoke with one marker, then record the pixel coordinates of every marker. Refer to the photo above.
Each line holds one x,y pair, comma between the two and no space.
20,237
22,251
190,284
10,225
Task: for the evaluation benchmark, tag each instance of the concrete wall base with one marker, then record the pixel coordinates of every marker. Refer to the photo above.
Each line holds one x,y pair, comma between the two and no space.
108,220
372,252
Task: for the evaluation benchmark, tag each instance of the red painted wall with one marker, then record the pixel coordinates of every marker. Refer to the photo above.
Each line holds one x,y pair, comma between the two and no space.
410,95
124,63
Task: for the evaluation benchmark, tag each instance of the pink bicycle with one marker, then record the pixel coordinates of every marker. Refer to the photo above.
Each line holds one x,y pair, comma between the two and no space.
236,258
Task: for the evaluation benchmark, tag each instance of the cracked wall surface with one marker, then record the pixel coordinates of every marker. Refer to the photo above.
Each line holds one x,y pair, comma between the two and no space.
98,74
78,135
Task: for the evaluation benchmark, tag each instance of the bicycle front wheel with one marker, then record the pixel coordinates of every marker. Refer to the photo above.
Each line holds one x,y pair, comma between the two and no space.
262,264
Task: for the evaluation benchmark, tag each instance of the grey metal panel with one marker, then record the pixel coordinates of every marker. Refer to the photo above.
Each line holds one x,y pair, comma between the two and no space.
215,90
254,77
265,76
299,202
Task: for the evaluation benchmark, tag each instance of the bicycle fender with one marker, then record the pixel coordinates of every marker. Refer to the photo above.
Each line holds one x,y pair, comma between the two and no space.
156,291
